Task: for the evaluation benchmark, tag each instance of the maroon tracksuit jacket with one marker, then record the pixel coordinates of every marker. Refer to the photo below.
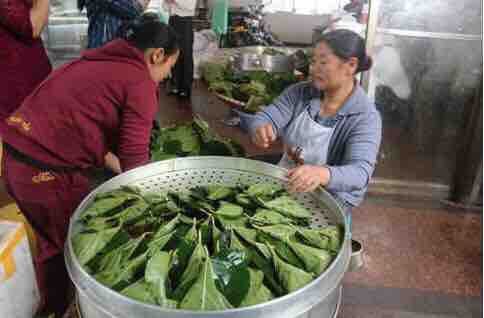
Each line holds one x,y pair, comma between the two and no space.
105,101
23,61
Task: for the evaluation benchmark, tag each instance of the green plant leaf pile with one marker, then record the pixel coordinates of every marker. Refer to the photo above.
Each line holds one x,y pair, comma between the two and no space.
194,138
208,248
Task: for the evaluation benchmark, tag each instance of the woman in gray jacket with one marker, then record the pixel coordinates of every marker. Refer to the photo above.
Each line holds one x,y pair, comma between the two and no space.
330,119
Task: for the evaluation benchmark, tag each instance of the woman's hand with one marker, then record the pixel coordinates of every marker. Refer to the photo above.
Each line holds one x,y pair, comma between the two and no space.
112,163
307,178
264,136
39,16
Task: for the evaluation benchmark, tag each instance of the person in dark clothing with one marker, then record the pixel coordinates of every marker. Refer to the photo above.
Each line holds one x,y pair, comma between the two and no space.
72,123
106,16
181,19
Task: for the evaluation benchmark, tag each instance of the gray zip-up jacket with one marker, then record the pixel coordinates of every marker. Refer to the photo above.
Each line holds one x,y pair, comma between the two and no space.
355,142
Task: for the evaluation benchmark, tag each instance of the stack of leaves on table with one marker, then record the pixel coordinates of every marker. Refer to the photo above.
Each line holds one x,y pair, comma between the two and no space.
254,88
209,248
191,139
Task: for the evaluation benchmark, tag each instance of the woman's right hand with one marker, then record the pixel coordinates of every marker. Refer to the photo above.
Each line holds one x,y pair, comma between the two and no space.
264,136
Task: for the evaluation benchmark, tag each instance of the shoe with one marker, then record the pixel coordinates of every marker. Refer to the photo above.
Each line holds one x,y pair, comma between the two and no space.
173,92
184,95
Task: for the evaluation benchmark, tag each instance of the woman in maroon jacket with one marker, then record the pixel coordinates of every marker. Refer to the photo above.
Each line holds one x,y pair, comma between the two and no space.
23,61
105,102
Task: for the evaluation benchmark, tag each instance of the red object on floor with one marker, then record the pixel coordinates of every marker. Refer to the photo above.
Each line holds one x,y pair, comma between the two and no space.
47,200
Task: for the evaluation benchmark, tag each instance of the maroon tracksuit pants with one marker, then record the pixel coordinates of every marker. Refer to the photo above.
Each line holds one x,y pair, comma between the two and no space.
47,199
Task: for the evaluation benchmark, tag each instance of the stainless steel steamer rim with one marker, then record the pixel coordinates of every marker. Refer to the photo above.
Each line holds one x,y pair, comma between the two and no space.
184,173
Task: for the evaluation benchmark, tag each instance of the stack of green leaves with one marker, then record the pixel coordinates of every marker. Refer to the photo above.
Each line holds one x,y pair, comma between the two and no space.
209,248
191,139
254,88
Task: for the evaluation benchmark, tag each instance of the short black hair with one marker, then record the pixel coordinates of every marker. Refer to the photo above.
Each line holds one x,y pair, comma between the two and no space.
148,31
347,44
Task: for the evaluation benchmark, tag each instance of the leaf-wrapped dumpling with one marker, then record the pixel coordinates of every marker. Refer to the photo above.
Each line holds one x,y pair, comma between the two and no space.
203,294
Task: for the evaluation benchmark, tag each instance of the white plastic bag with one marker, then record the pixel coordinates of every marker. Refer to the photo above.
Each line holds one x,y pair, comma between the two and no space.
19,294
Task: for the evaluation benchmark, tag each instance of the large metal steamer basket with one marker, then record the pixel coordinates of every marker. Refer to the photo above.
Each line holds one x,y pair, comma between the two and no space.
319,299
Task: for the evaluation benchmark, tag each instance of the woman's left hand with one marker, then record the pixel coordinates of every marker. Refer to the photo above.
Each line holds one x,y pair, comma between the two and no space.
307,178
111,161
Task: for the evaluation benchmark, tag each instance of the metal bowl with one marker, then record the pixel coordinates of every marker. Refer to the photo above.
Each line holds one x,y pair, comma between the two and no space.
254,59
320,298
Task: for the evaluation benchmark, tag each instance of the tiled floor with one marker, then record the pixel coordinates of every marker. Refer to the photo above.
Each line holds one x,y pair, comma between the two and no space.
423,260
420,262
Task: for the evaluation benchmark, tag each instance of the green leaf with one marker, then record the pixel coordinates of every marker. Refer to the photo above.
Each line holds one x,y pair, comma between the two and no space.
116,258
258,293
281,246
119,278
229,210
288,207
185,220
140,291
145,224
216,148
267,217
212,72
232,274
192,235
101,224
290,277
156,275
203,294
222,87
260,256
158,243
210,233
236,244
160,156
156,198
87,245
182,254
228,223
190,141
313,238
103,207
216,192
244,200
335,235
191,272
127,216
279,231
264,190
128,192
246,234
315,260
167,228
132,213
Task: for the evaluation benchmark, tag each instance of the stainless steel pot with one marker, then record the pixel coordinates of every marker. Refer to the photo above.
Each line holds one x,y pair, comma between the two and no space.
254,59
318,299
277,63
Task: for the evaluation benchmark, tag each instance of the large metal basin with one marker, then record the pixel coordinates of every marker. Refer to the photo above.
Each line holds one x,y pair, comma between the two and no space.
318,299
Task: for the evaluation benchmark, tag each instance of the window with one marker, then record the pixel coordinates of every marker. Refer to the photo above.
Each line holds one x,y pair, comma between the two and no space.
307,6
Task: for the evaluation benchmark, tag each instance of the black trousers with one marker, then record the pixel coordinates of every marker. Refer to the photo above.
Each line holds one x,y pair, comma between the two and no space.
182,76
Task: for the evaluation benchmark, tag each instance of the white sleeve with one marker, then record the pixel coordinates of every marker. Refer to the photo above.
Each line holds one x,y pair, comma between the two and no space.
186,5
